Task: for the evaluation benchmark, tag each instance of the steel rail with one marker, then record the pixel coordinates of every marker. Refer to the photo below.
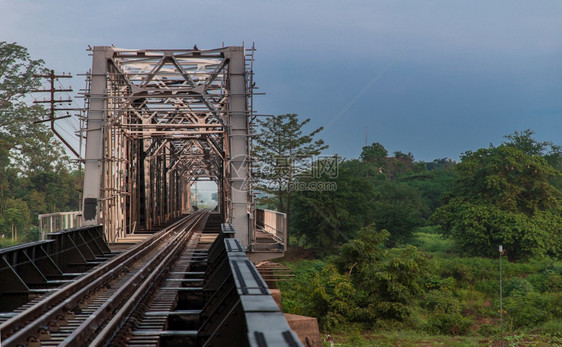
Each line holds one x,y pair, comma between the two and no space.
31,324
119,318
128,295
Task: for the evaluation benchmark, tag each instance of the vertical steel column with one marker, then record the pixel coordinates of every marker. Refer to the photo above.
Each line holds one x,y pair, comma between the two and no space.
94,136
146,177
238,139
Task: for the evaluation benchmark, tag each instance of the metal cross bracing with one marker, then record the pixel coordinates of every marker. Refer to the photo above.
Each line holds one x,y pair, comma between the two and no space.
158,120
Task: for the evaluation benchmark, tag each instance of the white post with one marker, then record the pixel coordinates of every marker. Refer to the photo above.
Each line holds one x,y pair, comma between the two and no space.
501,299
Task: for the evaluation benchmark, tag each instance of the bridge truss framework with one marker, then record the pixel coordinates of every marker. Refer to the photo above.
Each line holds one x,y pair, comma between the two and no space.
157,121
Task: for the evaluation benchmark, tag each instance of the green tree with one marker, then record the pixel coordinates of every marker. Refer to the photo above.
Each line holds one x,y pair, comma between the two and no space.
325,219
398,209
17,76
401,163
365,283
29,146
284,152
15,217
34,173
374,154
523,140
503,195
432,184
549,151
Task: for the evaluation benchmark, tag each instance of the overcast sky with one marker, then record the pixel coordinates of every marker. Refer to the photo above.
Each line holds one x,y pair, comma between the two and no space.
435,78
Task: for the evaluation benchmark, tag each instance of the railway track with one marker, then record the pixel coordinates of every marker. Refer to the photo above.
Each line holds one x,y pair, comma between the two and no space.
103,305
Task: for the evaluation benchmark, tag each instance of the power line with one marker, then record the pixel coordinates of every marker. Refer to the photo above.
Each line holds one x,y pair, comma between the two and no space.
52,77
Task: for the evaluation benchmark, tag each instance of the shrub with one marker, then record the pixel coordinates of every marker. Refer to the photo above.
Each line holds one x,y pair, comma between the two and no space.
517,286
553,328
488,287
431,242
448,324
488,330
554,303
526,310
7,243
296,296
441,302
433,282
547,280
333,299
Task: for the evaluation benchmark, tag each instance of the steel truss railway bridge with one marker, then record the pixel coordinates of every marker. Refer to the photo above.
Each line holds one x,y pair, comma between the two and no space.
157,122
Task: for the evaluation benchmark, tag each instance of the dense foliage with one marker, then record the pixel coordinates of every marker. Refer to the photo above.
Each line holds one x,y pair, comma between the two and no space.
394,193
437,291
502,195
366,283
35,176
505,195
372,278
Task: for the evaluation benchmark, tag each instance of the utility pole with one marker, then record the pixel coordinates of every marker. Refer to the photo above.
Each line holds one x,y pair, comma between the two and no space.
500,248
52,77
53,103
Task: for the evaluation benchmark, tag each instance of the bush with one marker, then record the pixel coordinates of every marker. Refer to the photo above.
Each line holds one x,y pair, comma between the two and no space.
433,282
32,234
488,287
517,286
6,242
431,242
448,324
553,328
527,310
554,304
296,298
333,299
468,270
549,279
488,330
441,302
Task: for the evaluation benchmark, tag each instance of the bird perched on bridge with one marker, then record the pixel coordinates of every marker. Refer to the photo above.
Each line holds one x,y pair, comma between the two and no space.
195,48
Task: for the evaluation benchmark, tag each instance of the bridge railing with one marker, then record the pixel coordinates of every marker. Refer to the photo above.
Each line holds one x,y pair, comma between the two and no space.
239,307
53,222
273,223
34,268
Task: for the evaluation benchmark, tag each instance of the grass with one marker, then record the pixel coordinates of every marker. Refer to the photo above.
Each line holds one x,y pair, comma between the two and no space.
429,241
7,243
415,338
404,338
